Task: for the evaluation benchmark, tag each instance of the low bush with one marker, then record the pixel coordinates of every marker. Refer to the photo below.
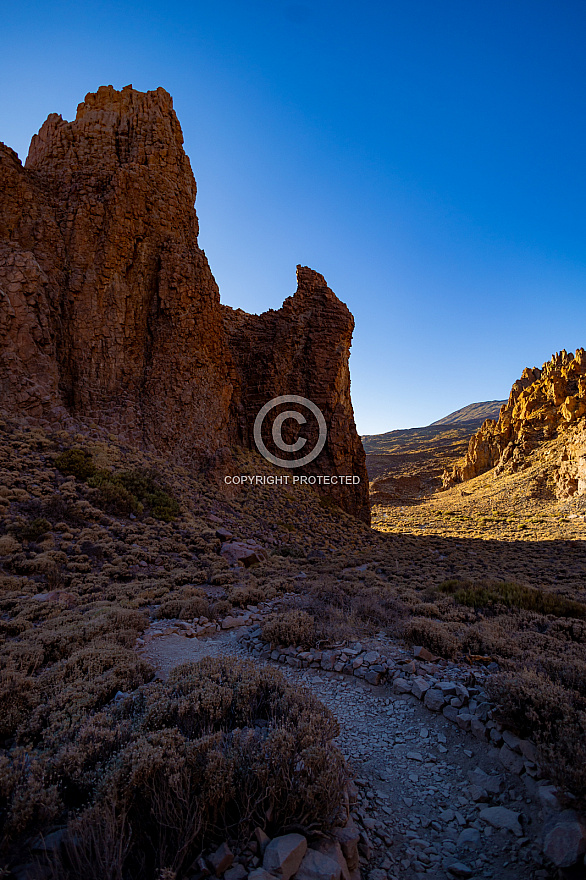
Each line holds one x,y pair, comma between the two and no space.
33,530
121,493
535,707
295,627
184,609
243,596
488,594
210,754
76,463
435,635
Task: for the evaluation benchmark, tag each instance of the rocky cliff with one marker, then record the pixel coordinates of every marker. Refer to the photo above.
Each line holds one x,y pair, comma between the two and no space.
544,403
109,312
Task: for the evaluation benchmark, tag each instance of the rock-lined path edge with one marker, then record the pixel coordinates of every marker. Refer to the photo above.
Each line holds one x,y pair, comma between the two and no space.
431,800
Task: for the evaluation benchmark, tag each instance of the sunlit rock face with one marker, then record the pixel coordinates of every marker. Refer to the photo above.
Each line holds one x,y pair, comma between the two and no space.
544,403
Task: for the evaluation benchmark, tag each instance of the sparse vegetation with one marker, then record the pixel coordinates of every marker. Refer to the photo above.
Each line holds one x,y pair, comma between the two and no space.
490,594
70,749
120,493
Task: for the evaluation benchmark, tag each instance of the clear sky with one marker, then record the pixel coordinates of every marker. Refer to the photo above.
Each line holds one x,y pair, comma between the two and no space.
426,156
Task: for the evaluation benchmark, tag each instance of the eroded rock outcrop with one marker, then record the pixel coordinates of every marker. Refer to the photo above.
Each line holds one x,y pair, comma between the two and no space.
109,311
304,346
543,403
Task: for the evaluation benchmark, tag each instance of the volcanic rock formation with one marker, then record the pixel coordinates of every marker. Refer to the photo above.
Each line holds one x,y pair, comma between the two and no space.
543,403
109,311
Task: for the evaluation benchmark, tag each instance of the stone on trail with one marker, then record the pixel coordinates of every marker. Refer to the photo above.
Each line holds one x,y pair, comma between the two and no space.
284,854
317,866
491,784
260,874
459,869
233,622
502,817
262,839
333,850
434,700
420,686
348,838
510,760
236,872
564,838
221,859
401,686
423,654
469,838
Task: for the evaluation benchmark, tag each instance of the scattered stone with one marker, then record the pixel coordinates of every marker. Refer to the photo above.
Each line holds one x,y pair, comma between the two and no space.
283,855
221,859
459,869
469,838
423,654
236,872
564,838
434,700
502,817
262,839
348,838
317,866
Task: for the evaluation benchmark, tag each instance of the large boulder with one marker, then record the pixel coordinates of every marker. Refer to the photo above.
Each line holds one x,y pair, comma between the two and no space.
284,855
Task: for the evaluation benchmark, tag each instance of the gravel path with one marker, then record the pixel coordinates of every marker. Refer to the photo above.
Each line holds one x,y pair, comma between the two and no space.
415,801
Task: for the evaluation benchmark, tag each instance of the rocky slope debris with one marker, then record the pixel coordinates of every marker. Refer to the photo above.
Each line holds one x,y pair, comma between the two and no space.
109,312
543,403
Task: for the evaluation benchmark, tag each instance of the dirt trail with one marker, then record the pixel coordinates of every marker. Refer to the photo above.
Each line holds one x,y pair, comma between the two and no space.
415,802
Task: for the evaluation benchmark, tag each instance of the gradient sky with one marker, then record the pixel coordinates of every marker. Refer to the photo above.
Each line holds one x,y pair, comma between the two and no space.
426,156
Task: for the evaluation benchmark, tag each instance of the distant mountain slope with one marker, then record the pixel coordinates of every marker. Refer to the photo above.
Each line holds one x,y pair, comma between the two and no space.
406,466
475,412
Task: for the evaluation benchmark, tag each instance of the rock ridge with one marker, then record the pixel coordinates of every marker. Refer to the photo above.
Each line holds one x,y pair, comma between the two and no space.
543,403
110,314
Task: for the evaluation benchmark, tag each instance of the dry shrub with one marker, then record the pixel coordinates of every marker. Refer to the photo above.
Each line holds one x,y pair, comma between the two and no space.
184,609
295,627
243,596
351,609
434,635
208,755
73,688
18,696
555,718
220,609
29,798
96,847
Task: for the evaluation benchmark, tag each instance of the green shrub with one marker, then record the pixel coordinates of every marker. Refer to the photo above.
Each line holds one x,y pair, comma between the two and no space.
113,496
76,463
34,530
121,493
487,594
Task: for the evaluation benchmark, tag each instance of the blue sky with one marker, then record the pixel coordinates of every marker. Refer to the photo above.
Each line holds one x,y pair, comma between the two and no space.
427,156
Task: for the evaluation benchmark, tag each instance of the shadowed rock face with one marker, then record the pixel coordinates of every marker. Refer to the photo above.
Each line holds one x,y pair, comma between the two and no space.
302,349
109,311
542,403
